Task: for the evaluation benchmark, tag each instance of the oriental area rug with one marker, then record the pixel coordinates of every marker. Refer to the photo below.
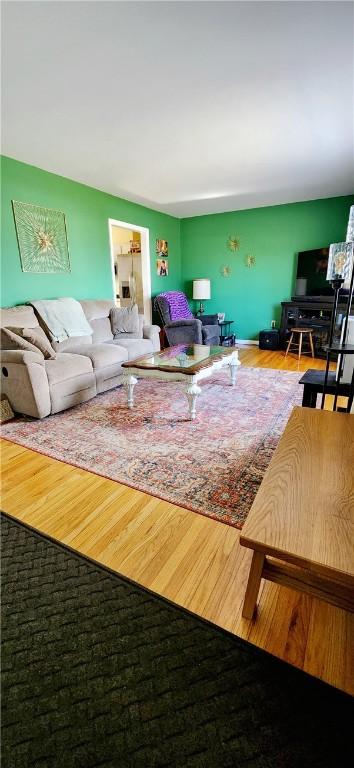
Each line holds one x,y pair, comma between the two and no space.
213,465
99,673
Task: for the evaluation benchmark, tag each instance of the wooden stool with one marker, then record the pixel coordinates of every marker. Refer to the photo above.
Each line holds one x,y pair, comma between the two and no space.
301,332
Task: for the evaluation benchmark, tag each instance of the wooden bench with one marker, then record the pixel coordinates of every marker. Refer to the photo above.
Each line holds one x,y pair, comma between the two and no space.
303,514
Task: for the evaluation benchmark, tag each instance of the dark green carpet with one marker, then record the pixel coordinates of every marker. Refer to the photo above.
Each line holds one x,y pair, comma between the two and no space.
98,672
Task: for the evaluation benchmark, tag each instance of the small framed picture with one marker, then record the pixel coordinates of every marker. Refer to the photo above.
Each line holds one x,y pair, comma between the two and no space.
162,267
135,246
162,248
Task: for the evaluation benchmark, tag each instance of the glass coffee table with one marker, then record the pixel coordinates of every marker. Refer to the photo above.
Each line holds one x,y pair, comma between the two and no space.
188,364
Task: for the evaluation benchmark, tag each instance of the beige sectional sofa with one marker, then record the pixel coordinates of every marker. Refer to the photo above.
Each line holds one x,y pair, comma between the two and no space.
83,367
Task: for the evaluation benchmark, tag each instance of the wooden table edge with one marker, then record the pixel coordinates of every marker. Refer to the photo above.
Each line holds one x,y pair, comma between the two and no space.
312,567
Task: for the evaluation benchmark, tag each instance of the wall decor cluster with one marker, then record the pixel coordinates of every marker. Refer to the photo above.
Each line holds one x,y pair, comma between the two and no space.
233,244
42,239
162,260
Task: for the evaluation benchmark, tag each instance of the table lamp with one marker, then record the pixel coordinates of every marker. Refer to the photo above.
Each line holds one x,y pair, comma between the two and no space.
350,231
201,291
340,263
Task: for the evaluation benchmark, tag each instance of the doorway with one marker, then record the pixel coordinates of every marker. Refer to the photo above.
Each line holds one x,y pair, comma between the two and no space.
130,260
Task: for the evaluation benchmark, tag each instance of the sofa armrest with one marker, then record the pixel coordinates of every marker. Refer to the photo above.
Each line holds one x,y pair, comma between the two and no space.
21,356
152,332
192,322
24,381
211,333
184,332
209,319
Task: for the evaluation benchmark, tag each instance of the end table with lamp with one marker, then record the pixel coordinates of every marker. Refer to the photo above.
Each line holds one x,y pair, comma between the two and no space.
201,292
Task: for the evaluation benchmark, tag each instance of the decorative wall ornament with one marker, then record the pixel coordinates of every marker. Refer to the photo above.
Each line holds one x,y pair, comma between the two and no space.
162,267
42,239
233,243
225,270
162,248
250,261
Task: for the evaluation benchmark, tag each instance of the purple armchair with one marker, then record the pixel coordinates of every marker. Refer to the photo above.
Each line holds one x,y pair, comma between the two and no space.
179,324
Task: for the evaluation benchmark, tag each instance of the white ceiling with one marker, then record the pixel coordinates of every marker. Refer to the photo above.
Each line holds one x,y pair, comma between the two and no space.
188,107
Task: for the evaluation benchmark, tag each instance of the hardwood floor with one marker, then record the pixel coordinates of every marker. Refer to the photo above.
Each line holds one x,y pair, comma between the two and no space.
189,559
251,355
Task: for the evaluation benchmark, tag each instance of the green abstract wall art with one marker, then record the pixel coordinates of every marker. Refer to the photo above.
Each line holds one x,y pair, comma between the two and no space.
42,239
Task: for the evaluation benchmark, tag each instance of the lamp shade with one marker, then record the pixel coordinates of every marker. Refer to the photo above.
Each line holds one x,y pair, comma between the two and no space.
340,262
201,289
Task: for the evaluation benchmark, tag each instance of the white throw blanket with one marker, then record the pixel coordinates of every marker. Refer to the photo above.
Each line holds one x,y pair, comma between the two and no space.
63,318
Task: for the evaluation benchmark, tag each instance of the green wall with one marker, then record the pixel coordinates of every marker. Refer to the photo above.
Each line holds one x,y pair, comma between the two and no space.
274,235
197,246
87,212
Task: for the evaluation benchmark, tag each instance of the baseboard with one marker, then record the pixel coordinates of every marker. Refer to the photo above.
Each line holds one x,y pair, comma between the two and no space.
247,341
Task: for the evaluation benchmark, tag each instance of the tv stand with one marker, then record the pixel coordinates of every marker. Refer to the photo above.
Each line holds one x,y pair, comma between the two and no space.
313,299
313,312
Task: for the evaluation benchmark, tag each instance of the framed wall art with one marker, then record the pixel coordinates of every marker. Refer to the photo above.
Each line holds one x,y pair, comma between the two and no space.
42,238
162,267
162,248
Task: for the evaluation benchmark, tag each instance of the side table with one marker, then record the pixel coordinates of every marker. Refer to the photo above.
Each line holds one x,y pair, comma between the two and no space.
313,382
227,338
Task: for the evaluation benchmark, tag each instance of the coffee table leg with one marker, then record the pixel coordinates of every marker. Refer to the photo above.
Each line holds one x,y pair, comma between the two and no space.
129,382
234,363
192,392
253,583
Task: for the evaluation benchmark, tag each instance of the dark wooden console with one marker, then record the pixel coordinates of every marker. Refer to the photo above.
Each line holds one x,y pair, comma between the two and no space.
313,313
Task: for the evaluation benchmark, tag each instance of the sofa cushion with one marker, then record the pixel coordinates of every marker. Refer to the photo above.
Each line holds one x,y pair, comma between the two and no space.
124,320
101,330
62,318
37,337
135,347
66,367
11,338
103,355
22,316
96,309
138,335
72,344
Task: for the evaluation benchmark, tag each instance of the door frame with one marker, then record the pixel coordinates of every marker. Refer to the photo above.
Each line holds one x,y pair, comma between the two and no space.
145,261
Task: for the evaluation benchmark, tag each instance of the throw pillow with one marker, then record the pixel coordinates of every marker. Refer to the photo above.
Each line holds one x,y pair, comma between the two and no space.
124,320
37,337
12,340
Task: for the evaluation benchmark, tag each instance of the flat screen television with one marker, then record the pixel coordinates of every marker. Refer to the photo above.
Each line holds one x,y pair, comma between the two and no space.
311,273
